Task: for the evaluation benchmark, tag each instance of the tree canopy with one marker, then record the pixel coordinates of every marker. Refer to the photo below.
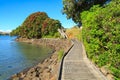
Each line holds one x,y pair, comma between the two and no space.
73,8
37,25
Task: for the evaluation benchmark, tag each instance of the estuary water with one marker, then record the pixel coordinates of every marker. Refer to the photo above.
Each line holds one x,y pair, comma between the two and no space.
17,56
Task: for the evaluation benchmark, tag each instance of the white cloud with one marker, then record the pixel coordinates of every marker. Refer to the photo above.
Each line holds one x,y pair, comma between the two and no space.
8,31
5,30
1,30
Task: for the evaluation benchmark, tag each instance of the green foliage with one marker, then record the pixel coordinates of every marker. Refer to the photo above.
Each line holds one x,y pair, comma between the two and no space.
73,8
57,35
101,35
79,36
116,72
15,32
50,27
37,25
60,54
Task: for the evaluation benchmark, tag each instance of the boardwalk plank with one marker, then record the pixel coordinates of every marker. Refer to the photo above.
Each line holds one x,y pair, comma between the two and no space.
75,67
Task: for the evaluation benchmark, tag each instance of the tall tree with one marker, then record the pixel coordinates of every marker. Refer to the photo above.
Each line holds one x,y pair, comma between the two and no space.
73,8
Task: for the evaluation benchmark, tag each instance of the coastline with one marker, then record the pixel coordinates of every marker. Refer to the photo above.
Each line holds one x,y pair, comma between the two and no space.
48,69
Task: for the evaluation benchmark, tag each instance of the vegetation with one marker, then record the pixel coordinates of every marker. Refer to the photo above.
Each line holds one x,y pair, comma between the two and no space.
38,25
101,35
73,8
60,54
74,33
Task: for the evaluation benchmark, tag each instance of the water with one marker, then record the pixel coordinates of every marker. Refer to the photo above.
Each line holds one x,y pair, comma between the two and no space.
16,56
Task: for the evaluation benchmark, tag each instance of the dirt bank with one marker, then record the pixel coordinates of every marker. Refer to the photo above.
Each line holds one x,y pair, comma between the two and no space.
48,69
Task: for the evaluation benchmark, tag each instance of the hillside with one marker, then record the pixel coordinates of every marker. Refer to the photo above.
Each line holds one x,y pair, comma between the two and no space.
74,33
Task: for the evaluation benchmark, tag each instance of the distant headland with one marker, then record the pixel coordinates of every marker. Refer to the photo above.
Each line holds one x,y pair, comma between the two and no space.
4,33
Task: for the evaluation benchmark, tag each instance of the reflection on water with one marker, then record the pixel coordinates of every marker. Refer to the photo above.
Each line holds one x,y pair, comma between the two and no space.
15,56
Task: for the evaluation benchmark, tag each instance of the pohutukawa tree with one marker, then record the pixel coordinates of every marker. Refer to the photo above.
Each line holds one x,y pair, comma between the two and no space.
37,25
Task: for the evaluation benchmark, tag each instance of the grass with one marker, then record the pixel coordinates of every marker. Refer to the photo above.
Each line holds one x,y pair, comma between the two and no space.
60,54
74,33
56,35
48,36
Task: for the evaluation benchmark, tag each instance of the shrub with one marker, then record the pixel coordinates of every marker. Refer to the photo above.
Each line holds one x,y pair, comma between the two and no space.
101,35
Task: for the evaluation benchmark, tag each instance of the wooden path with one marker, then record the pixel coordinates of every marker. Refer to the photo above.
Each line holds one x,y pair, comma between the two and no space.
77,67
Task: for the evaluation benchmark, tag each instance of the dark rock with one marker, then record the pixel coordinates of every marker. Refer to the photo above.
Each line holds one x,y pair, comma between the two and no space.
9,66
37,74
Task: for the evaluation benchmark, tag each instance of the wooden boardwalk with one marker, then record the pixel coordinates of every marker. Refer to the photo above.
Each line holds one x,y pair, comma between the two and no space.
77,67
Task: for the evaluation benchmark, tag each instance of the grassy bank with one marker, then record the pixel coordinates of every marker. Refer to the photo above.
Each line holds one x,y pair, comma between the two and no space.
74,33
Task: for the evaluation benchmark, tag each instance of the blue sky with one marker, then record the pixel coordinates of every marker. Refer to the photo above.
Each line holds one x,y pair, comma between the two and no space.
14,12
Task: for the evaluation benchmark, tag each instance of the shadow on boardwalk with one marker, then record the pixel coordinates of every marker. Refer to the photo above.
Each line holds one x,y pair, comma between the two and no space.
76,66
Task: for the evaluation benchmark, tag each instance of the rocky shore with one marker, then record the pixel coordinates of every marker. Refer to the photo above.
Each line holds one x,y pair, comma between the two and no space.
49,68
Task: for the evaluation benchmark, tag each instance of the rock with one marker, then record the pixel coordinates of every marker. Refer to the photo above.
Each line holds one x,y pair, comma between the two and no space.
15,78
21,75
37,74
31,70
110,77
26,78
33,74
37,69
53,78
40,71
104,71
48,70
35,78
46,76
46,60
